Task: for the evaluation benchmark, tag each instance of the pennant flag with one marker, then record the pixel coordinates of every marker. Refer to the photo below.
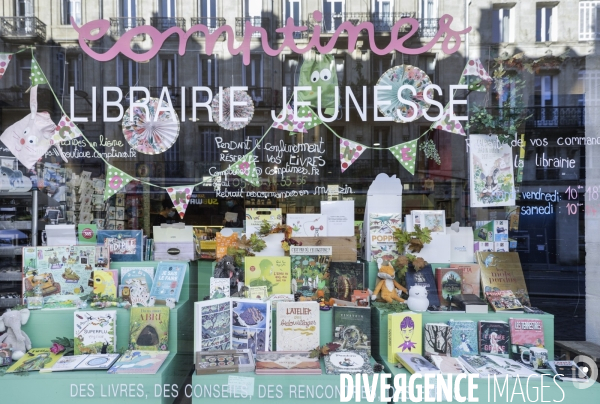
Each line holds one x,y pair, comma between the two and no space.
406,153
181,197
115,180
65,130
477,75
289,123
245,168
4,61
349,152
308,112
444,123
37,75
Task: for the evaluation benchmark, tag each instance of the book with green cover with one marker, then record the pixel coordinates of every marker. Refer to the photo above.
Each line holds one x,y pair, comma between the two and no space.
95,332
310,269
272,272
35,359
149,328
352,328
405,334
503,271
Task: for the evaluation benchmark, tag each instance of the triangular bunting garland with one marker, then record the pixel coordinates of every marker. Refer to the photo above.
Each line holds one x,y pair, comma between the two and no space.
4,61
475,76
406,153
115,180
37,75
245,168
289,123
314,118
65,130
181,197
349,152
447,125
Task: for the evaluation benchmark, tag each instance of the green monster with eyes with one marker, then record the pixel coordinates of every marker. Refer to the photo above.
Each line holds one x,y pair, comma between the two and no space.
320,72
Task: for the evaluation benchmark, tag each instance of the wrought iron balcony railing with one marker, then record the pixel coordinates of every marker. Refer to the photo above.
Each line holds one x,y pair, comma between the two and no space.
546,117
120,25
240,25
428,27
383,22
22,29
174,93
262,96
212,23
299,34
164,23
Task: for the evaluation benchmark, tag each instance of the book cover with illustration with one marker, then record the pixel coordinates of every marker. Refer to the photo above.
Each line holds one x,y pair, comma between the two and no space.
307,225
447,364
272,272
471,278
287,363
503,271
494,338
464,337
481,365
381,235
438,339
310,268
95,332
351,361
449,283
352,328
85,362
219,287
525,333
424,278
491,172
405,334
504,300
149,328
168,280
298,326
123,245
145,273
35,359
346,277
416,363
139,362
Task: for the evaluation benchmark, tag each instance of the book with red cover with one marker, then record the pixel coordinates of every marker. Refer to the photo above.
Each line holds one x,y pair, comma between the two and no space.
449,283
525,333
471,278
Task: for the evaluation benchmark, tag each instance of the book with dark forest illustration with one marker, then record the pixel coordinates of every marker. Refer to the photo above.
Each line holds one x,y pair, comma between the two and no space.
352,328
310,268
149,328
438,339
449,283
346,277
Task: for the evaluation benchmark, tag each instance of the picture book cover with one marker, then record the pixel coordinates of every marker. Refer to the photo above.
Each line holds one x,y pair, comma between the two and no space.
449,283
494,338
35,359
146,273
287,363
471,278
139,362
95,332
346,277
503,271
103,282
341,362
212,325
298,326
123,245
434,220
219,287
438,339
525,333
352,328
503,300
405,334
511,367
310,268
464,337
168,280
492,180
424,278
481,365
447,364
307,225
415,363
272,272
381,235
149,328
85,362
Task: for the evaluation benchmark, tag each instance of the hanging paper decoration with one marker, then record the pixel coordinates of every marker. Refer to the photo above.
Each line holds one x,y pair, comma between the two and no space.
65,130
37,75
288,122
4,61
406,153
147,134
322,73
396,77
444,123
245,168
241,111
115,180
349,152
475,76
304,112
181,197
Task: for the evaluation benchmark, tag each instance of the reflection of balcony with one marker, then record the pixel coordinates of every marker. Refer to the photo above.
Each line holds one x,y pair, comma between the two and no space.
202,96
299,34
164,23
22,29
17,97
262,96
11,97
547,117
383,22
120,25
212,23
428,27
240,25
174,93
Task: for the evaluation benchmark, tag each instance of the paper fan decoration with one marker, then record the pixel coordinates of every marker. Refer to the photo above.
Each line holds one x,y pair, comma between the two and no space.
396,77
349,152
444,123
4,61
289,123
65,130
240,111
181,197
146,135
406,153
475,76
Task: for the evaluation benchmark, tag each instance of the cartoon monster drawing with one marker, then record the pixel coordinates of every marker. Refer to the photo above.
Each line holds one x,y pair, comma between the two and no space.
319,73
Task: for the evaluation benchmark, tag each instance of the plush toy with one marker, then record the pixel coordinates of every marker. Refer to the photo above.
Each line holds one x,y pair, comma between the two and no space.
31,137
15,338
226,268
322,73
417,298
387,284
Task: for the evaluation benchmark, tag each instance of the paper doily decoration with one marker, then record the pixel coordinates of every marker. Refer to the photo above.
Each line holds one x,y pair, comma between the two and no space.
240,111
396,77
4,61
65,130
146,135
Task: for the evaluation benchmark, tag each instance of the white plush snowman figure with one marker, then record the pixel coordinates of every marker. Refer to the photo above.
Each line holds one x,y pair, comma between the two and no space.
417,298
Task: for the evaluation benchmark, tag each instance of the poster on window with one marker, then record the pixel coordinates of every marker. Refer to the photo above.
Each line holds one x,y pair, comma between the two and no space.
491,172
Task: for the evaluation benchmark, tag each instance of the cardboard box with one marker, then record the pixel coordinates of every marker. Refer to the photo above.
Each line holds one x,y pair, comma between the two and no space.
174,243
484,246
501,246
227,361
500,230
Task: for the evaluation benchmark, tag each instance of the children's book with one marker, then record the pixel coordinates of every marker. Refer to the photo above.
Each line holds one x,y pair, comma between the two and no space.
298,326
307,225
503,271
405,334
123,245
346,277
168,280
381,234
494,338
438,339
525,333
35,359
415,363
352,328
464,337
424,278
310,269
471,278
145,273
287,363
447,364
504,300
434,220
149,328
85,362
219,288
481,365
139,362
104,282
272,272
449,283
95,332
511,367
352,361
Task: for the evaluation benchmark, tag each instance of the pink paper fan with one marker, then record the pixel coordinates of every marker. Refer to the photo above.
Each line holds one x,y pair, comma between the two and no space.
241,111
147,135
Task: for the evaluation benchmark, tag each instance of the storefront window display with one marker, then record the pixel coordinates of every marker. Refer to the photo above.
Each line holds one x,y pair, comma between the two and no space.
327,150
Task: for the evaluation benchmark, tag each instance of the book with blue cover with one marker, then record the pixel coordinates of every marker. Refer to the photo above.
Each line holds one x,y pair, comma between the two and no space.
168,280
464,338
123,245
424,278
